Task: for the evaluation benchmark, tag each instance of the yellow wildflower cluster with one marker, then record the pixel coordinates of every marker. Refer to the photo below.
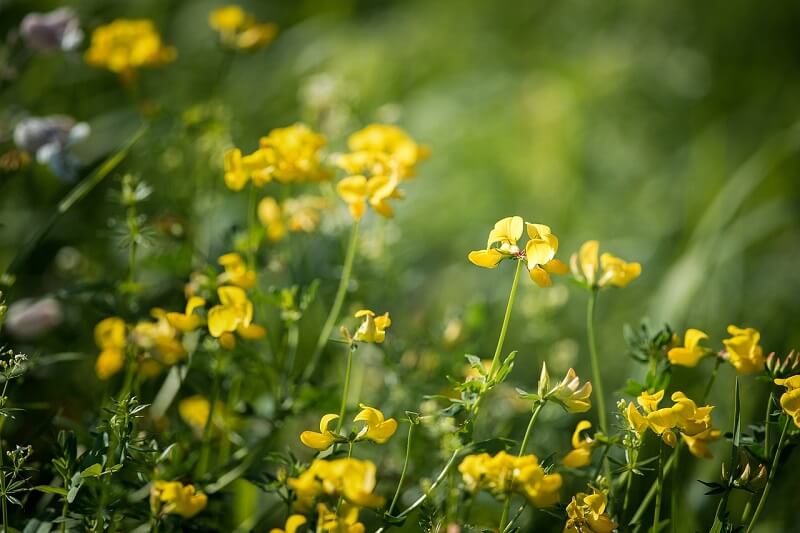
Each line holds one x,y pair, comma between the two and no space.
173,497
503,475
691,422
539,252
380,157
239,30
126,45
605,271
790,400
586,513
351,479
286,155
299,214
376,429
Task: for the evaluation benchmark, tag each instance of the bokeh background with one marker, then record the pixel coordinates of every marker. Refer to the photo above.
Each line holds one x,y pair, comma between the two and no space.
667,130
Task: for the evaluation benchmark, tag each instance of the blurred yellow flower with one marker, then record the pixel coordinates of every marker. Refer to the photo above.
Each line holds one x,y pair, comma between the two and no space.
608,270
234,313
293,154
581,454
373,328
743,350
352,479
239,30
382,150
358,191
586,514
790,400
504,474
376,429
236,272
300,214
173,497
691,352
293,523
194,410
240,169
346,521
325,438
188,320
110,337
159,339
125,45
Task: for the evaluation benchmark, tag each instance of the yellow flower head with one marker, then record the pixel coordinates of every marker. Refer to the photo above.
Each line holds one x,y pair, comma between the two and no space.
126,45
539,252
325,438
188,320
606,271
743,350
691,352
173,497
382,150
581,454
570,393
373,328
110,336
376,429
159,339
346,521
504,474
790,400
293,523
586,514
301,214
239,30
194,410
352,479
233,314
358,191
294,154
236,272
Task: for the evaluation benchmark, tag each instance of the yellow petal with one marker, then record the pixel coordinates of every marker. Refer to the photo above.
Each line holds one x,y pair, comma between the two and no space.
318,441
576,435
556,266
541,251
587,256
693,337
578,458
326,420
540,277
485,258
507,230
221,319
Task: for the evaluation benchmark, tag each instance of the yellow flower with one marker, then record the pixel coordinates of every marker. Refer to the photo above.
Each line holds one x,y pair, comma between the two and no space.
691,352
581,454
649,402
159,339
352,479
173,497
382,150
233,314
372,329
325,438
110,337
345,522
376,429
236,272
239,30
790,400
125,45
636,421
293,523
240,169
358,191
586,514
504,474
293,154
573,396
609,270
539,252
743,350
194,410
301,214
188,320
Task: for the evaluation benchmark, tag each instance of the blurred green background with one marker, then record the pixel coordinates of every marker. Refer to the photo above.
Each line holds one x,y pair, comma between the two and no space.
667,130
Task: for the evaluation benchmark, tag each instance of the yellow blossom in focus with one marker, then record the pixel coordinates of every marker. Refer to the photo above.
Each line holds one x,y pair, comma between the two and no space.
743,350
376,429
352,479
373,328
110,337
293,523
691,352
586,514
540,254
236,272
581,454
346,521
607,270
504,474
126,45
358,191
325,438
570,393
790,400
173,497
188,320
233,314
239,30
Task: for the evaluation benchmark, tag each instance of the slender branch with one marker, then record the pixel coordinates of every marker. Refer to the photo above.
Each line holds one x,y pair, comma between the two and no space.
346,389
534,416
598,383
659,487
771,478
506,319
405,466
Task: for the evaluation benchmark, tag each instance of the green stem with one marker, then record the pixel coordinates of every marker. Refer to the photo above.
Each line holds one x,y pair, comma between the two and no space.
405,466
64,510
629,483
445,469
767,422
772,471
333,314
675,493
205,447
3,487
346,389
252,245
659,487
504,516
599,396
506,319
534,416
711,380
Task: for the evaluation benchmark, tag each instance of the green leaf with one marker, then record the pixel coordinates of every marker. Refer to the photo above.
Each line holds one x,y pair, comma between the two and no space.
49,489
96,470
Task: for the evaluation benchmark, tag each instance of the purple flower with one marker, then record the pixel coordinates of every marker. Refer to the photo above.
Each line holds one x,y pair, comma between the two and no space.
50,139
57,30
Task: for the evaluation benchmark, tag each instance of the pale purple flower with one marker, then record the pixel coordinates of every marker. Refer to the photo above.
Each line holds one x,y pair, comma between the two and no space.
56,30
29,318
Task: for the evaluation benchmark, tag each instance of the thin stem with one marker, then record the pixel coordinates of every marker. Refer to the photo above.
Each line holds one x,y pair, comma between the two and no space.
659,487
504,516
598,382
767,422
674,493
629,483
534,416
405,466
445,469
346,388
772,471
333,314
506,319
711,380
252,245
3,487
202,463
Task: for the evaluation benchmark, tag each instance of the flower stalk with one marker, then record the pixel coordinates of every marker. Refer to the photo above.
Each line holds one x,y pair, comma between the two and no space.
771,478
